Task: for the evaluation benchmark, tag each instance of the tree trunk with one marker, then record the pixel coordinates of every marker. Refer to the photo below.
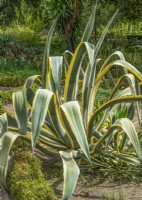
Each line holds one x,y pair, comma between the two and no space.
70,24
69,39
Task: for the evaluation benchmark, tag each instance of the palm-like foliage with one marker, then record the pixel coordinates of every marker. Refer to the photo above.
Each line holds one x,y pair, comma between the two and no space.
60,122
69,12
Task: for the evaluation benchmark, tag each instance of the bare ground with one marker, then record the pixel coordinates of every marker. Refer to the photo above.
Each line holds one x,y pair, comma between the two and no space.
90,187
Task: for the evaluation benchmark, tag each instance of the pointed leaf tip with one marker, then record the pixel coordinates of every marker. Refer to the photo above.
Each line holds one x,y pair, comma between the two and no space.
71,173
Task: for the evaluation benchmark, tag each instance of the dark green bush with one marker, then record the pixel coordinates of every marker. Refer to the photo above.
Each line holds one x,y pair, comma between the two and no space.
27,181
11,81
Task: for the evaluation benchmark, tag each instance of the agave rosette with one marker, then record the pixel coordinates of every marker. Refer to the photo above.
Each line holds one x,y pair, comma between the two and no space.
61,122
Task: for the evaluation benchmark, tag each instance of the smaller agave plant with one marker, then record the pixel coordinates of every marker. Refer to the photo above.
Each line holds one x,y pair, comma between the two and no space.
62,123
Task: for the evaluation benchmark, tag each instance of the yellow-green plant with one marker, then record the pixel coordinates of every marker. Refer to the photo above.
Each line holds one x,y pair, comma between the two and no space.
62,121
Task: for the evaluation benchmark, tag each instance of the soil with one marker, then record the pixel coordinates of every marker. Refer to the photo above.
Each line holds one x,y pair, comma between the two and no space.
111,190
9,108
6,88
90,187
107,189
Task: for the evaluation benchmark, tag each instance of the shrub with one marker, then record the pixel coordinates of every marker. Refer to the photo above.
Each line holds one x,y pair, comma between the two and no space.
14,79
27,181
22,34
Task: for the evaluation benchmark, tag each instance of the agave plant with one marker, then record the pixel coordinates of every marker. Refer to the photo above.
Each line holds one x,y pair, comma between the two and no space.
60,117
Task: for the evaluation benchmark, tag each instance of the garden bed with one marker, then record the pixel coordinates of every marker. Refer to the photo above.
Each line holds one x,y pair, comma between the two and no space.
92,186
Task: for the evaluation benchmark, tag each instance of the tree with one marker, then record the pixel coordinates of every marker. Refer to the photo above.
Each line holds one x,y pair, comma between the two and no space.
69,11
131,9
8,9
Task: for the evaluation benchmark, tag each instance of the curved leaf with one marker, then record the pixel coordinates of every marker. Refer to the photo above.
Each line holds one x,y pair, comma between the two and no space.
3,124
71,173
74,68
51,143
127,158
56,68
100,41
40,107
107,105
7,142
116,53
20,109
67,60
12,123
73,124
130,80
31,80
86,90
126,125
123,64
56,124
46,53
89,27
128,91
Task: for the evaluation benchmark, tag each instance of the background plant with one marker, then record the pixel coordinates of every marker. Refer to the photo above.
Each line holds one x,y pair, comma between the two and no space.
28,31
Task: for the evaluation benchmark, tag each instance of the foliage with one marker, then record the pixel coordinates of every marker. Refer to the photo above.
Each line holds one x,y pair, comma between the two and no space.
126,6
134,13
103,94
22,48
6,95
13,45
9,9
32,21
69,12
2,109
133,54
7,81
20,33
15,78
61,122
31,183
